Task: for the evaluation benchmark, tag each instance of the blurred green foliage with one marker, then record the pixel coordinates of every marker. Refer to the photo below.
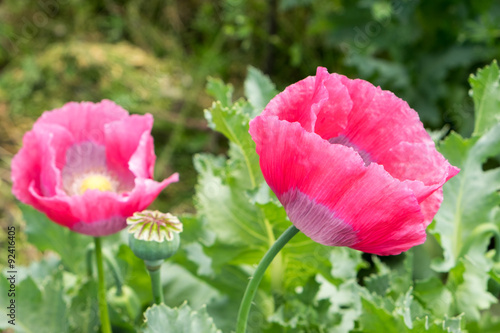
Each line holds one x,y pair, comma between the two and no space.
155,56
421,50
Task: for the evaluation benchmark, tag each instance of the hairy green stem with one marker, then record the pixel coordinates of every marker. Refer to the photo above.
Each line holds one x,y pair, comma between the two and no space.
253,285
101,292
154,269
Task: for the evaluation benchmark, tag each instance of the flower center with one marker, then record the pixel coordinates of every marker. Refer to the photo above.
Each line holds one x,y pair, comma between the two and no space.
96,182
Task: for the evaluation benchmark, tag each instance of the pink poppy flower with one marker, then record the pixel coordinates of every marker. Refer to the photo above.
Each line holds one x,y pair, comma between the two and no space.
351,163
88,166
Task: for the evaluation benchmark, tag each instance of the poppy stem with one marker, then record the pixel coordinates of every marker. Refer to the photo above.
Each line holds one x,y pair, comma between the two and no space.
154,269
101,292
253,285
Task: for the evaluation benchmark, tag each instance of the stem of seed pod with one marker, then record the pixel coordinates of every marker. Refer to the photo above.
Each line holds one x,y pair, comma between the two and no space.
253,285
154,269
101,292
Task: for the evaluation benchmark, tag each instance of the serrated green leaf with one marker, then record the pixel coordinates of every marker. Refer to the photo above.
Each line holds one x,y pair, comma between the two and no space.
471,197
344,306
434,296
220,91
47,235
377,316
259,89
233,123
161,318
468,282
376,319
486,94
227,209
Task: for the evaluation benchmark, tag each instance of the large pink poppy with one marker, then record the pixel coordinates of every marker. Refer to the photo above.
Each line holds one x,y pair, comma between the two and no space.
351,163
88,166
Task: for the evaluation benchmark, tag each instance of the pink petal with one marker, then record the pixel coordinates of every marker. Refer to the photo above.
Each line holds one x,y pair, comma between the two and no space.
430,205
319,103
380,121
36,164
84,120
333,109
338,191
383,127
294,104
129,146
420,166
57,208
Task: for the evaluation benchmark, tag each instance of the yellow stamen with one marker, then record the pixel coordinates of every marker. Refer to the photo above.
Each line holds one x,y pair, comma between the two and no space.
96,182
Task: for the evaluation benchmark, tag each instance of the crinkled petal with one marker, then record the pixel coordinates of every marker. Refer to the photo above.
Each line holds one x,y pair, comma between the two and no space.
420,166
325,179
129,146
294,104
379,120
332,110
383,127
320,103
36,164
430,205
58,208
85,120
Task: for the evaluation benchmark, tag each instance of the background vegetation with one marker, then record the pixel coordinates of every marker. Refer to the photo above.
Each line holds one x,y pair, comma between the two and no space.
155,56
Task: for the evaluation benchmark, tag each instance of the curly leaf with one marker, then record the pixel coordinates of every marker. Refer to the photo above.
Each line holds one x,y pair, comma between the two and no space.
486,94
161,318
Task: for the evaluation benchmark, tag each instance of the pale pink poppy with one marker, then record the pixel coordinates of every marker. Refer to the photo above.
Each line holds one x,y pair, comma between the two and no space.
88,166
351,163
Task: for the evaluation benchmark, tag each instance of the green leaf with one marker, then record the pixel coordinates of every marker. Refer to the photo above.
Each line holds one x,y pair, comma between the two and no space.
47,235
233,123
161,318
376,319
180,285
393,280
402,316
434,296
486,94
84,308
344,304
227,208
259,89
220,92
470,198
468,282
41,308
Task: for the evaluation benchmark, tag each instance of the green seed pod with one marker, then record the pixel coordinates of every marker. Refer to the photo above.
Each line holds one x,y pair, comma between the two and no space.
153,250
154,235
